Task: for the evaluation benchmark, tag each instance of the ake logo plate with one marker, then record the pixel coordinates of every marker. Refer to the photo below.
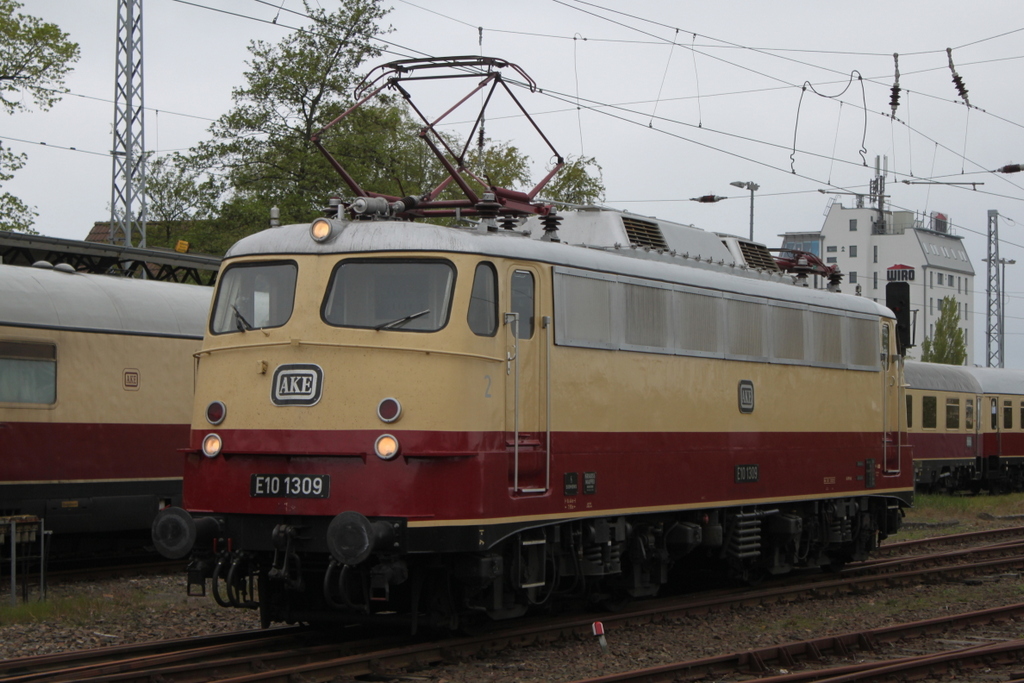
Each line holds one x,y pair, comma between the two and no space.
297,385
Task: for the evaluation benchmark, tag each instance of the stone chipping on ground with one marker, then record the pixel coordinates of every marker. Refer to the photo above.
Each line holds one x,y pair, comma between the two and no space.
155,608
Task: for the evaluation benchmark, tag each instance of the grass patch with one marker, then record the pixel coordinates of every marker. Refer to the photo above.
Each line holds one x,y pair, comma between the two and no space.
942,507
73,605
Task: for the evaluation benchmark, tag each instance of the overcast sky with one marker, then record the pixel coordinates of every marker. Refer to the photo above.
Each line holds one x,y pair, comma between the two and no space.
674,99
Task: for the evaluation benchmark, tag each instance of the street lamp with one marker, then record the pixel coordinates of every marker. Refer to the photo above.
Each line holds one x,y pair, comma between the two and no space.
752,187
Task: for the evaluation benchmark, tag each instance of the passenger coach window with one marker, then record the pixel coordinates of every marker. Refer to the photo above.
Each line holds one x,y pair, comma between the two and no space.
929,412
1007,414
969,415
522,302
412,296
952,413
995,412
28,372
910,412
483,301
253,296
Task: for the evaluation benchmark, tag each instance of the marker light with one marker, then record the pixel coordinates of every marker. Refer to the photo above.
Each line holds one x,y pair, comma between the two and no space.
216,412
320,230
389,410
386,447
212,445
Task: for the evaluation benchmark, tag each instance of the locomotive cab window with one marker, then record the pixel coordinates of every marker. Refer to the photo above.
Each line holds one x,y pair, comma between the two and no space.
254,296
929,412
522,302
483,301
385,294
28,373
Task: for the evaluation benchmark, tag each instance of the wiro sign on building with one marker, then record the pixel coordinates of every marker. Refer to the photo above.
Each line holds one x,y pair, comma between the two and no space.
900,273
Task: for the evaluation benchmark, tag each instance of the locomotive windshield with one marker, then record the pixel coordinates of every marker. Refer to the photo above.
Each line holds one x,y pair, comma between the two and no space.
390,295
254,296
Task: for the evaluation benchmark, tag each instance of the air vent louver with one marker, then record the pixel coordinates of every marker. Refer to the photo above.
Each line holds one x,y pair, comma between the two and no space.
644,233
758,256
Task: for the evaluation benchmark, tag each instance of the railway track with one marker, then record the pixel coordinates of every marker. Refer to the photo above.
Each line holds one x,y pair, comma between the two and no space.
282,653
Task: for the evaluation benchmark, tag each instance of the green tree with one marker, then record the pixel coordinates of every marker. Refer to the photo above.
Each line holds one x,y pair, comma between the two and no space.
575,184
947,346
34,59
261,154
293,88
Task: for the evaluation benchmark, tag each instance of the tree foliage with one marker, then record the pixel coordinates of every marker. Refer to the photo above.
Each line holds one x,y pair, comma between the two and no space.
34,59
948,345
260,155
576,184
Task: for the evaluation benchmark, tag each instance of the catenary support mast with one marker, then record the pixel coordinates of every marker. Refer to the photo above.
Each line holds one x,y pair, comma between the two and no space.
128,199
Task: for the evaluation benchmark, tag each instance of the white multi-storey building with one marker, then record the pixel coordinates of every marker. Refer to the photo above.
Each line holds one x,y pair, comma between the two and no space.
873,247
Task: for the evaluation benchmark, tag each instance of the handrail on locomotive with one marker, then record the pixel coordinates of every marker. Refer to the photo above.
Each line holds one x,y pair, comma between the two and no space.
497,201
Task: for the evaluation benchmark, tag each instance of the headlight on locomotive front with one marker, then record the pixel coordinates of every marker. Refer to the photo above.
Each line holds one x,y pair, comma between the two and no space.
212,445
216,412
320,230
386,447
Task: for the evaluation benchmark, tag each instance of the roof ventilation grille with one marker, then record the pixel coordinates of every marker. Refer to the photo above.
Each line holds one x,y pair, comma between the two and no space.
644,233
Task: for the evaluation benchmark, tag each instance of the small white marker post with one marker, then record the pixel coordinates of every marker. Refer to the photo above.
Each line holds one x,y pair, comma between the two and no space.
598,629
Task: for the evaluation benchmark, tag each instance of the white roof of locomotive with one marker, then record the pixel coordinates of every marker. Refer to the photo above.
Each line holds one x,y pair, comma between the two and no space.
721,274
938,377
57,299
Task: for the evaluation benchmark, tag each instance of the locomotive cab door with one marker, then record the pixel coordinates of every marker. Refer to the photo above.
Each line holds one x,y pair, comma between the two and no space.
527,336
892,394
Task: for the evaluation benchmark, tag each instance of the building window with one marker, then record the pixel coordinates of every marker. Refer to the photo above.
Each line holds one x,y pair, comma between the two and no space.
875,257
831,250
874,284
958,285
853,250
830,259
931,306
949,280
853,277
931,280
965,312
853,225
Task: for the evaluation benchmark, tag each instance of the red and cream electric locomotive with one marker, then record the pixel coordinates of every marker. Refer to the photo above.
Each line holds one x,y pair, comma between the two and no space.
395,417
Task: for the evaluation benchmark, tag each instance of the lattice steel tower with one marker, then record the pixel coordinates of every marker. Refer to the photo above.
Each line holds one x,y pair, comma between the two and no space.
128,194
994,311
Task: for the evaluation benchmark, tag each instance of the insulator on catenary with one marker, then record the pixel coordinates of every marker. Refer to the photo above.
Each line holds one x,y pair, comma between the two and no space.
957,81
894,100
1010,168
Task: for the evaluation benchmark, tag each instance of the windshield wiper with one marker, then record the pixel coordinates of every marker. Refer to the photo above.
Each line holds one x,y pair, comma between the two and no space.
401,321
241,324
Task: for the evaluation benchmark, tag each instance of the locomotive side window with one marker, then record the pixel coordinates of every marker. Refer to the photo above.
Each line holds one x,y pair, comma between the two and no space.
647,316
28,372
408,295
253,296
522,302
483,301
929,412
1007,414
953,413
